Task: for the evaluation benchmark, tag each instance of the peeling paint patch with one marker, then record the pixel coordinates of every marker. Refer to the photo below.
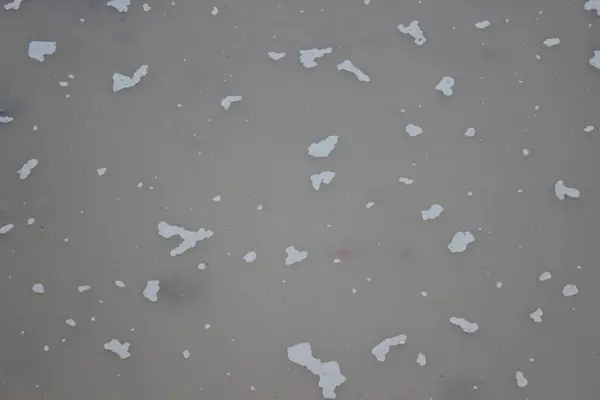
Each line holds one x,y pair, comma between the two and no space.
466,326
570,290
592,5
276,56
39,50
562,191
432,212
414,30
545,276
421,359
121,81
521,380
189,238
537,315
146,7
6,228
4,119
215,10
325,177
588,128
482,24
294,256
151,290
13,5
595,60
101,171
122,350
551,42
227,101
347,65
460,241
71,322
119,5
446,85
324,147
470,132
308,57
119,284
370,204
413,130
83,288
186,354
329,373
382,349
406,181
27,168
250,257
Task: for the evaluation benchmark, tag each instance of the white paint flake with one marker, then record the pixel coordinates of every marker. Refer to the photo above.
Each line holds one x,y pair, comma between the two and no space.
367,2
215,10
445,85
217,198
119,284
46,348
595,60
119,5
537,315
525,152
466,326
186,354
561,190
370,204
324,147
308,57
6,119
406,181
413,130
151,290
570,290
551,42
13,5
499,284
250,256
101,171
482,24
83,288
382,349
324,177
121,81
38,50
63,83
189,238
470,132
38,288
460,241
6,228
330,376
347,65
228,100
545,276
276,56
521,380
122,350
71,322
588,128
26,169
432,212
421,359
592,5
413,29
146,7
294,256
202,266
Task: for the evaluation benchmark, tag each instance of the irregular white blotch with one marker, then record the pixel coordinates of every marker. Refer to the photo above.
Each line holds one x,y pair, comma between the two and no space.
119,284
499,284
470,132
406,181
122,350
38,288
119,5
382,349
26,169
146,7
421,359
63,84
592,5
308,57
101,171
294,256
551,42
324,177
151,290
570,290
228,100
588,128
38,50
482,24
521,380
525,152
217,198
5,119
83,288
324,147
71,322
595,60
432,212
46,348
202,266
215,10
367,2
466,326
276,56
561,191
121,81
330,376
189,238
413,130
545,276
186,354
6,228
250,256
460,241
537,315
445,85
413,29
13,5
370,204
347,65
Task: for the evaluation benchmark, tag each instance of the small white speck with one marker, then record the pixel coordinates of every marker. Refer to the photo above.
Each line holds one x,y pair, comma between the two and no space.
482,24
421,359
545,276
259,207
30,221
588,128
521,380
570,290
101,171
525,152
551,42
470,132
71,322
413,130
119,284
207,326
499,284
370,204
146,7
63,84
354,290
424,294
217,198
406,181
250,256
27,168
215,10
202,266
35,128
186,354
38,288
46,348
83,288
337,261
537,315
66,240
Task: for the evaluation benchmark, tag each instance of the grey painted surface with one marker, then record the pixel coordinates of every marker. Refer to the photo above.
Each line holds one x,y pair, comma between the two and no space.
235,320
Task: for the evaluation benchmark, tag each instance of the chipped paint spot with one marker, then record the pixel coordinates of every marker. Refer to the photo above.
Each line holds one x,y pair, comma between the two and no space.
330,376
122,350
595,60
294,256
38,50
499,284
551,42
121,81
6,119
71,322
6,228
324,147
13,5
186,354
217,198
460,241
588,128
545,276
228,100
470,132
413,130
276,56
347,65
382,349
101,171
27,168
406,181
146,7
592,5
250,257
432,212
119,284
189,238
151,290
38,288
202,266
119,5
83,288
482,24
421,359
215,10
324,177
562,191
370,204
308,57
570,290
525,152
466,326
413,29
521,380
537,315
445,85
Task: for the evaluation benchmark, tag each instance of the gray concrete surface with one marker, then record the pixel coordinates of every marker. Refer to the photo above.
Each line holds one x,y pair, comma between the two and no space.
237,319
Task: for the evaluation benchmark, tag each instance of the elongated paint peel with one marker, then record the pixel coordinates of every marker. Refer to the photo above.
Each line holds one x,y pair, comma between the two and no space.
381,350
275,56
347,65
13,5
329,373
432,212
189,238
6,228
466,326
121,81
227,101
27,168
482,24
